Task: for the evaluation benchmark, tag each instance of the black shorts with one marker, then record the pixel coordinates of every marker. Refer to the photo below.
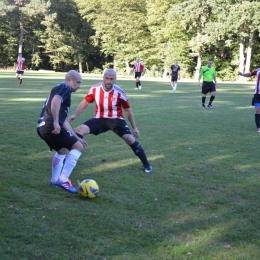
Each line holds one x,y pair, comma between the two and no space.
174,77
101,125
20,72
208,87
64,139
138,74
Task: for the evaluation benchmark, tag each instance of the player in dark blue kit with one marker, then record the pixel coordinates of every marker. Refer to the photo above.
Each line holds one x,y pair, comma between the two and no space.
54,128
175,72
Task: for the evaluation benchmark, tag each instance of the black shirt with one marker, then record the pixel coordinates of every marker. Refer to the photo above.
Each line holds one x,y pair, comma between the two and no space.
64,92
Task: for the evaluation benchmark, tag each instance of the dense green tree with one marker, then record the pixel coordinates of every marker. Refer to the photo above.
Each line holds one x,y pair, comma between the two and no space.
193,15
20,20
60,35
121,31
66,38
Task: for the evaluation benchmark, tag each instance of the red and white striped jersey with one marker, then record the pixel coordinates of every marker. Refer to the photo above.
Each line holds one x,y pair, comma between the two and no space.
109,104
20,64
257,86
139,67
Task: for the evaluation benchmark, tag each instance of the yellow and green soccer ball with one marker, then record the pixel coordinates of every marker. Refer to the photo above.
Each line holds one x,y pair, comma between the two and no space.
88,189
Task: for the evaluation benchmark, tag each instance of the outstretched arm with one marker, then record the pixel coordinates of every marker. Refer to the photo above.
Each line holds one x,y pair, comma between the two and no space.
131,118
81,107
248,74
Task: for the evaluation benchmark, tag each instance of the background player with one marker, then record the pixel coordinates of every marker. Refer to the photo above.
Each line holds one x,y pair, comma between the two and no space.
175,72
256,99
20,68
208,73
138,68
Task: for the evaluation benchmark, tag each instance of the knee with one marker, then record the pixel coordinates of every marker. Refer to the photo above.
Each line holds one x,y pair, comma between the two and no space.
78,146
82,129
129,139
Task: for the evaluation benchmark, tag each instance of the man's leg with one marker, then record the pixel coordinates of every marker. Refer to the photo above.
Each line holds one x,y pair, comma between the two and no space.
257,116
138,151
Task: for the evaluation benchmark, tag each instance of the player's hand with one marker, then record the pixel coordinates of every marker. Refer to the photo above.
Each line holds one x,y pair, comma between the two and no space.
71,118
240,73
199,84
56,127
136,132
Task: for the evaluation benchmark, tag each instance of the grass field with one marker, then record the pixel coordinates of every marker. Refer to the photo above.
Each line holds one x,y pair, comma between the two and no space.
200,202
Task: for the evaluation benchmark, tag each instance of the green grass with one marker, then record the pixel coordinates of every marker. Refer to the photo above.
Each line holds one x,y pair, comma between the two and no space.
200,202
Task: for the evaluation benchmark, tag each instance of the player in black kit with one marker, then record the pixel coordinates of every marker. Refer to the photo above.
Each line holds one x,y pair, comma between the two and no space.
56,131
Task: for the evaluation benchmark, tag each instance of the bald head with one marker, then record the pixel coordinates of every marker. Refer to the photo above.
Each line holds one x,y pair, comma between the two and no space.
73,79
110,71
72,74
109,79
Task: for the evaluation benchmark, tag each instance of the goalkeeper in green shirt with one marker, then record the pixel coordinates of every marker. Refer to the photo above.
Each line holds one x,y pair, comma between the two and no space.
208,73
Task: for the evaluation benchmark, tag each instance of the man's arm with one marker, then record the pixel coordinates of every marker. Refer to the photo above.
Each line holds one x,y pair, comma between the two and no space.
81,107
215,79
199,80
55,111
131,118
248,74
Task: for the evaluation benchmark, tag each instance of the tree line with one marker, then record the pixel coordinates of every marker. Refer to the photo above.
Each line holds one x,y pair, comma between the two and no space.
92,35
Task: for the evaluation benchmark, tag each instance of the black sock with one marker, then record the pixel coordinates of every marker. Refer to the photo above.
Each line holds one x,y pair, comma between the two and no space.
138,150
136,83
139,83
203,100
211,99
257,120
79,135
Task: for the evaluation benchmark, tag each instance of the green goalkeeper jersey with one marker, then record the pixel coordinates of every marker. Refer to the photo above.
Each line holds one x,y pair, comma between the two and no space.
207,73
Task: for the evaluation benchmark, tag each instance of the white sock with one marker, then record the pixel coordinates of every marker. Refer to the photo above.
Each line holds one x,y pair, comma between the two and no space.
57,164
175,86
172,85
70,163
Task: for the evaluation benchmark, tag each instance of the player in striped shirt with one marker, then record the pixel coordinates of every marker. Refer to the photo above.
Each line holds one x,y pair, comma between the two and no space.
138,68
256,99
110,102
20,68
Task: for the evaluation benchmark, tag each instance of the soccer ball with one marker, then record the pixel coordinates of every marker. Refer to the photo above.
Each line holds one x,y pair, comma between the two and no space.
88,189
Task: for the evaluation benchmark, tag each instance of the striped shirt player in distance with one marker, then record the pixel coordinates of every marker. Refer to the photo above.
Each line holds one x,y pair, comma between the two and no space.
138,69
256,99
19,69
110,102
54,128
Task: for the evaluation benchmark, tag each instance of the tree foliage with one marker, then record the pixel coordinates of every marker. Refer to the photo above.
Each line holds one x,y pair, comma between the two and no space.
61,34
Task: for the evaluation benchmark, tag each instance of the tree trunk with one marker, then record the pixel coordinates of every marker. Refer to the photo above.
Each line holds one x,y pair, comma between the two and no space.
127,67
198,67
21,34
80,67
241,57
249,51
165,73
